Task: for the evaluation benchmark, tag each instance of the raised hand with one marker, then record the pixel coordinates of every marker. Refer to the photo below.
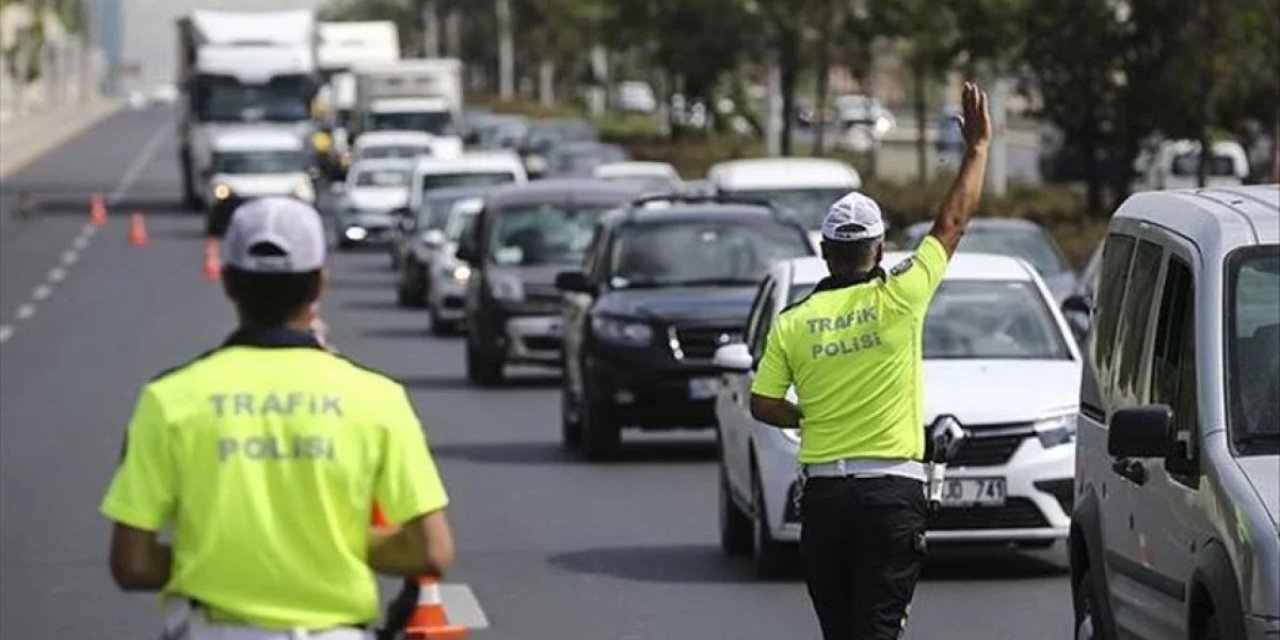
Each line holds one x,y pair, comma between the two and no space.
975,121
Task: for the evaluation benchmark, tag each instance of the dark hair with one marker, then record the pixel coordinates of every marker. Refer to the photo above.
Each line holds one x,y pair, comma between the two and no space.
857,255
270,299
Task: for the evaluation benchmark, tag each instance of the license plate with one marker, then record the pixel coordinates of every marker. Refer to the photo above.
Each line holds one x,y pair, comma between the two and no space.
703,388
970,492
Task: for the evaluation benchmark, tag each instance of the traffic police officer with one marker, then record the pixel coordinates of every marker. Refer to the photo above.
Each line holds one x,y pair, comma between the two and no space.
266,456
852,350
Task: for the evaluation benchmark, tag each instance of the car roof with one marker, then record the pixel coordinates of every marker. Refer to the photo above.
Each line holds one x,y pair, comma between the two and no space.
394,137
784,173
555,190
470,162
963,266
695,212
1217,219
382,163
636,168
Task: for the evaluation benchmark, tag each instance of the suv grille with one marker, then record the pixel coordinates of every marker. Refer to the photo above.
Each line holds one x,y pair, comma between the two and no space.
1017,513
990,445
700,343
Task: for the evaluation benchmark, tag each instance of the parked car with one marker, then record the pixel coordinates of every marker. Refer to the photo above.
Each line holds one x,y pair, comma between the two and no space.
422,239
1175,164
373,190
447,275
806,186
644,177
580,159
662,287
998,358
1012,237
525,235
543,135
1174,530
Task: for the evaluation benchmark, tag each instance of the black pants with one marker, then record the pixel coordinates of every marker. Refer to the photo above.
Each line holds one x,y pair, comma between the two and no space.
863,546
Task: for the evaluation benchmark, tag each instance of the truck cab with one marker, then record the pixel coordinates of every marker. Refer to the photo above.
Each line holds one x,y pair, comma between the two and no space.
410,95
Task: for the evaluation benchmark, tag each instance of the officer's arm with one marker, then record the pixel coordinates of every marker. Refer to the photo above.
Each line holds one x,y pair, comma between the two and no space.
139,562
422,546
776,412
962,200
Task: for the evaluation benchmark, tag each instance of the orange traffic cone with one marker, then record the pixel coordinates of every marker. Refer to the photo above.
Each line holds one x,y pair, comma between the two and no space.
137,230
212,263
97,210
428,621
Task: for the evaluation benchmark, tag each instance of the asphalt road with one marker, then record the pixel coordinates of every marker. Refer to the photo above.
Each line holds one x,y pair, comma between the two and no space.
552,547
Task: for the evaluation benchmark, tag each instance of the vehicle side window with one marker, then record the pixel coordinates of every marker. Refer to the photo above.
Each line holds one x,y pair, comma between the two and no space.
1173,363
758,323
1127,388
593,259
1116,256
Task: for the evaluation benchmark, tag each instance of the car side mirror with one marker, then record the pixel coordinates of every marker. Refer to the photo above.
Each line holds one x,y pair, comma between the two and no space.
1140,432
733,357
433,238
1077,304
574,282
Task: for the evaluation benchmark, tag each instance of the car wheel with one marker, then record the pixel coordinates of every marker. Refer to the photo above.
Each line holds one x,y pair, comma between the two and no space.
570,420
735,526
481,369
769,554
601,433
1088,624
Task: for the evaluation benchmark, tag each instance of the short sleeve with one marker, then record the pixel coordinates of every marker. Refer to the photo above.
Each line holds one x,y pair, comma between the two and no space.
143,492
912,282
773,373
408,484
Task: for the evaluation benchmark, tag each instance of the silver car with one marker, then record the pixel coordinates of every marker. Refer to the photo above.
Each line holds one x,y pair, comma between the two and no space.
1176,526
447,293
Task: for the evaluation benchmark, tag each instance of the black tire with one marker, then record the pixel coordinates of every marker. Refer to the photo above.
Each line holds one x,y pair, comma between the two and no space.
769,556
601,433
1088,624
570,419
483,370
735,525
440,326
404,297
189,197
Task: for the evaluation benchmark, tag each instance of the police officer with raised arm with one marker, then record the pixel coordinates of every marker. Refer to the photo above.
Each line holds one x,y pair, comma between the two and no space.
265,457
853,352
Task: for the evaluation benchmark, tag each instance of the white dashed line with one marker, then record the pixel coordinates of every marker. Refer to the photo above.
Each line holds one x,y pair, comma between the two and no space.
42,292
26,311
69,257
80,242
56,274
140,163
6,332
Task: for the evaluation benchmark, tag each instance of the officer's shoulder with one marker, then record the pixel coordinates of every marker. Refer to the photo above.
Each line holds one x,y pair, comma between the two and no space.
185,367
366,372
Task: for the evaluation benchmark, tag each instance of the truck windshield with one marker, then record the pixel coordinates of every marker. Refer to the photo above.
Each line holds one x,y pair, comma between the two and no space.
222,99
437,123
259,162
1253,339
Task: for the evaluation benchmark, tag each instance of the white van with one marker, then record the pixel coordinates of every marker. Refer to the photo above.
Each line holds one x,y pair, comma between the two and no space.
806,186
254,162
475,169
1175,164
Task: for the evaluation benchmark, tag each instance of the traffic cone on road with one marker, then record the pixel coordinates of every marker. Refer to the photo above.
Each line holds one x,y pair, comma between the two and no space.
97,210
212,263
137,230
428,621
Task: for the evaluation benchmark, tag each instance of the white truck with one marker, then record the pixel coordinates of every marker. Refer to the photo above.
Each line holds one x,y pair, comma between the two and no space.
417,95
238,67
345,46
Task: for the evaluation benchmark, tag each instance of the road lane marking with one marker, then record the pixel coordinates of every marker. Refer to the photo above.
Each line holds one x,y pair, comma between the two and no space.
6,332
42,292
80,242
69,257
141,161
56,274
26,311
462,607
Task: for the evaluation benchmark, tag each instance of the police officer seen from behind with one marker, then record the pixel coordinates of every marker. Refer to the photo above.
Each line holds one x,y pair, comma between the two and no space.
853,352
265,457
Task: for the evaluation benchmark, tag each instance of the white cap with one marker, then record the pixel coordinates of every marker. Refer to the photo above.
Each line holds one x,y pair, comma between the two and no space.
853,217
274,235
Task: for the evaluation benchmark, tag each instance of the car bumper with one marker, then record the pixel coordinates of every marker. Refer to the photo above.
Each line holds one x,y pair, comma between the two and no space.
533,340
448,298
655,395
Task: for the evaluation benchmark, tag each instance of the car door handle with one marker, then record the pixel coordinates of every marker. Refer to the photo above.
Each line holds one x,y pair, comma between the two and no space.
1132,470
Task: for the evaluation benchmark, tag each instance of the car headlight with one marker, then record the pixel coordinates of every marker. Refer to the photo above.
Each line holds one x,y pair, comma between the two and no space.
355,234
460,273
619,331
221,191
1055,431
506,288
304,192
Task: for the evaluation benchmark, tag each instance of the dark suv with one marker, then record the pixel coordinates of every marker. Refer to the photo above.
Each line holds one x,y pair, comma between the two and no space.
525,235
665,284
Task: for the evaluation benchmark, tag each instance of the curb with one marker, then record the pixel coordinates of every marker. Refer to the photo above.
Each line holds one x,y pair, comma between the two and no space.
45,132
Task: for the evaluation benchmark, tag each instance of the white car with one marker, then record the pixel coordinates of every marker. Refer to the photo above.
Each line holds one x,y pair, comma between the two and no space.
472,169
806,186
447,294
373,191
405,144
998,358
645,177
1175,164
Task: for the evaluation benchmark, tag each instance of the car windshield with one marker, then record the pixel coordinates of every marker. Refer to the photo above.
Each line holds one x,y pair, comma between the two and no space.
809,205
703,252
382,178
1188,164
1253,339
436,123
1030,244
991,319
395,152
259,162
436,208
460,223
433,181
545,234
